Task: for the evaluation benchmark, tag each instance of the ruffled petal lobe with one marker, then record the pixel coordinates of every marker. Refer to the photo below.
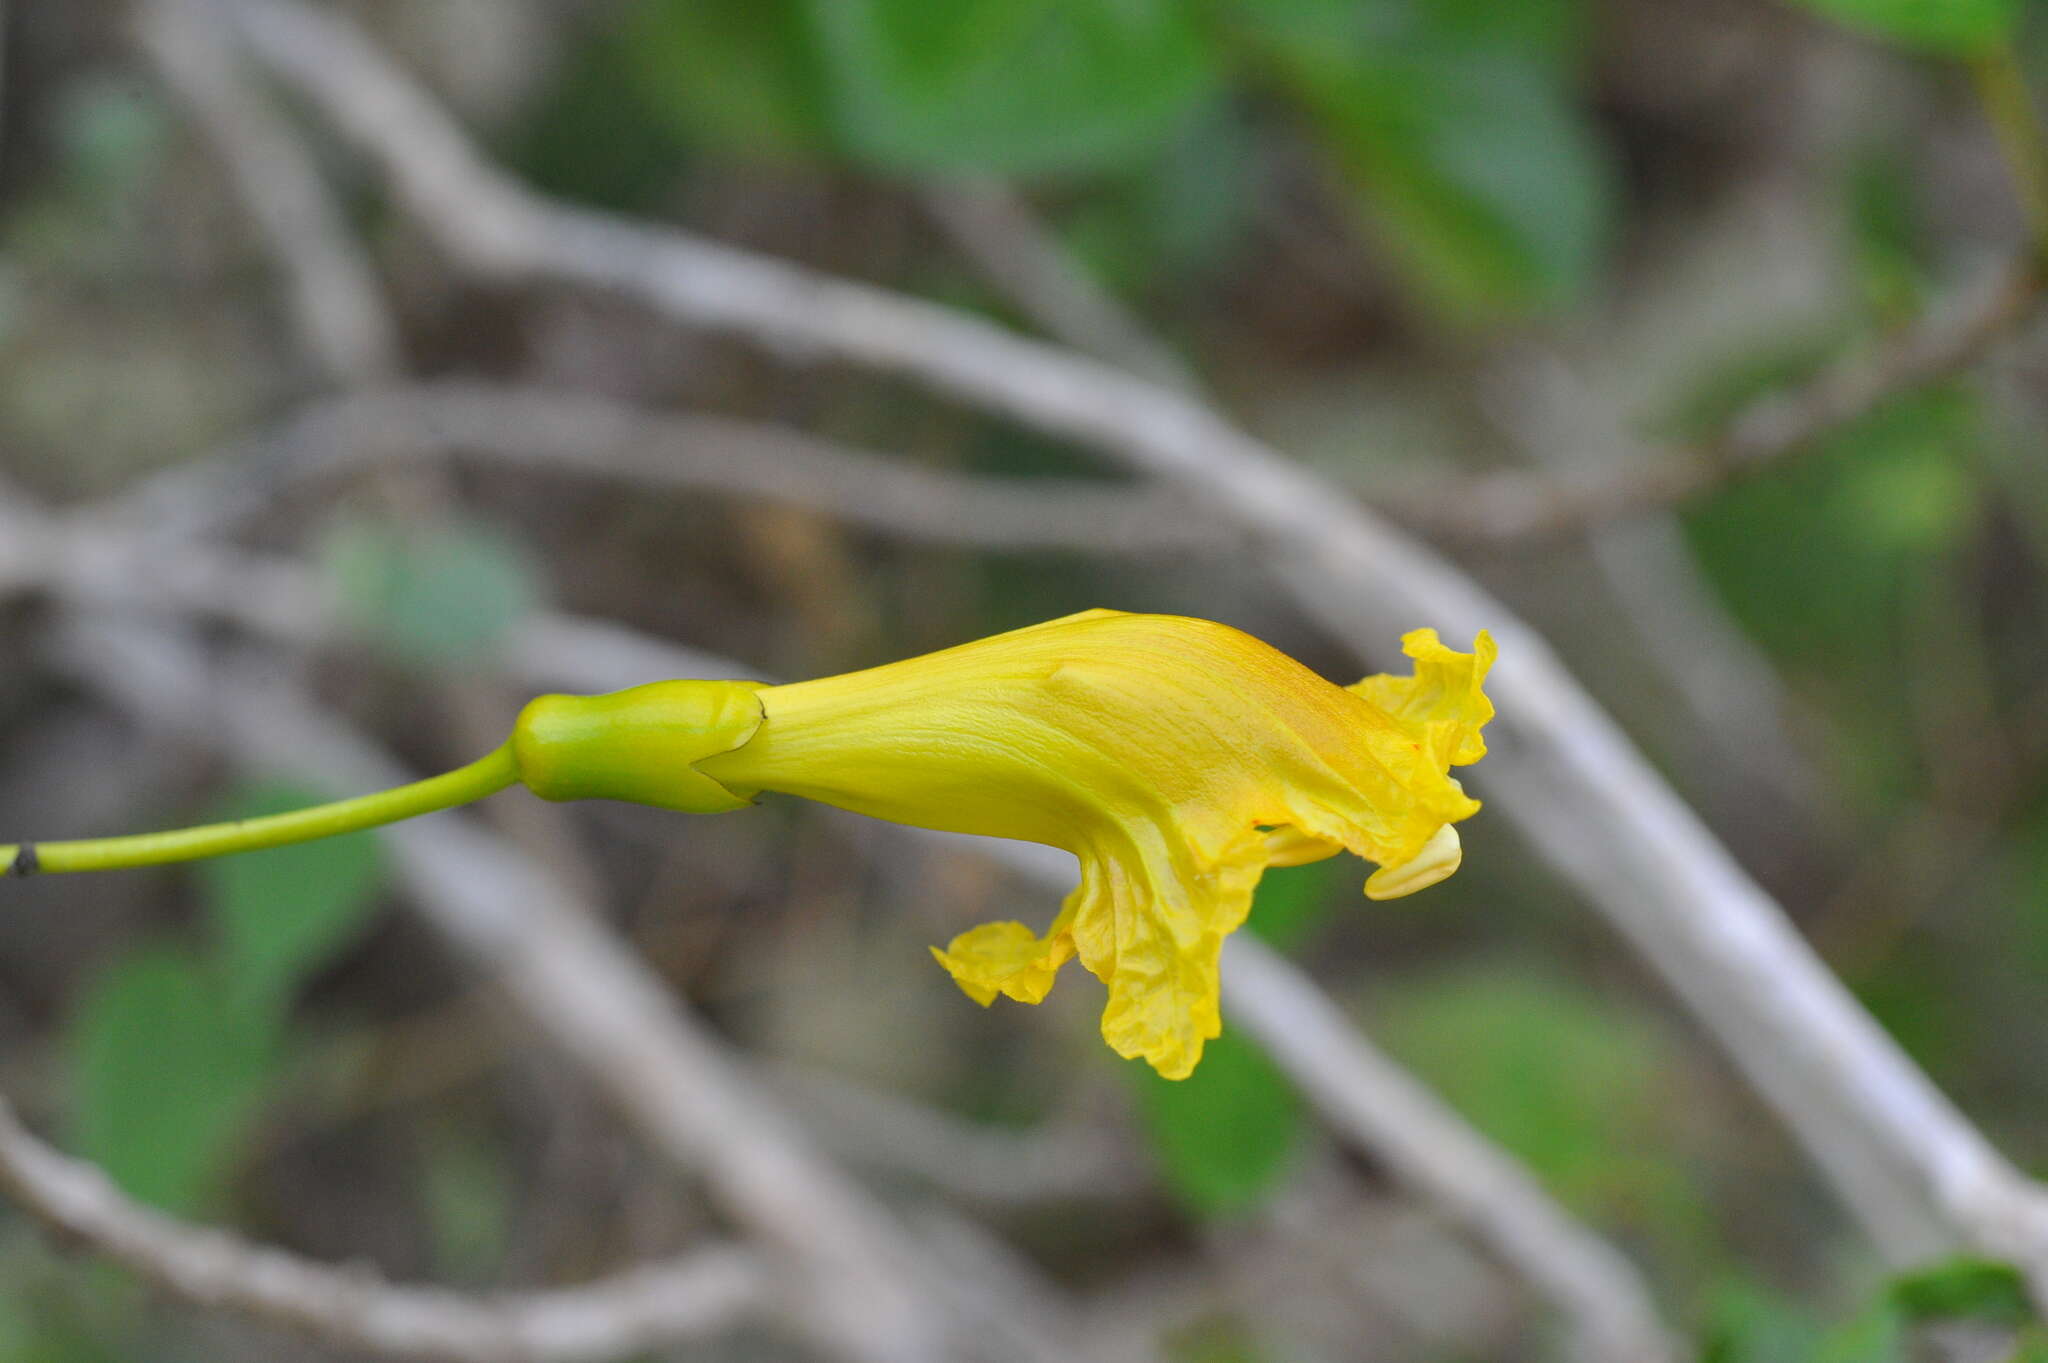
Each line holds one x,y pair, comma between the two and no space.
1176,758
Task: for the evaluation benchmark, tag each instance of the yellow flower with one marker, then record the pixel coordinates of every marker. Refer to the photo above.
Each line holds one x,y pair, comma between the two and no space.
1176,758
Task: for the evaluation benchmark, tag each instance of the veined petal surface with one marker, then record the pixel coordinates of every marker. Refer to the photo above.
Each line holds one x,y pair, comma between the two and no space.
1176,758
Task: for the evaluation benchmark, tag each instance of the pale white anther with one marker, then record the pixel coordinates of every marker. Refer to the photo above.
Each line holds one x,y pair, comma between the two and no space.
1437,859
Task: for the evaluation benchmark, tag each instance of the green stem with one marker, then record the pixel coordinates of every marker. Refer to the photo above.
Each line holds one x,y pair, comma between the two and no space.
458,787
2002,89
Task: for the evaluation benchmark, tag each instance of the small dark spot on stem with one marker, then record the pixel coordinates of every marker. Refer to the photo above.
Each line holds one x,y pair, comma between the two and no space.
26,862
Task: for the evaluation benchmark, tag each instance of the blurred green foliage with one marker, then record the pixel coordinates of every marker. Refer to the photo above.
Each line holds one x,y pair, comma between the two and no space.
173,1048
1968,1288
166,1071
440,599
1224,1136
1009,87
1461,130
1749,1324
984,86
743,76
1834,561
1459,127
280,914
1577,1088
1949,27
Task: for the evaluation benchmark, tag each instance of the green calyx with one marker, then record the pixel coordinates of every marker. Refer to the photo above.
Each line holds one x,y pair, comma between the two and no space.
640,744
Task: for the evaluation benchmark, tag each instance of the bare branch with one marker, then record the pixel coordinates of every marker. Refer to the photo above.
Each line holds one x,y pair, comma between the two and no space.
336,299
642,1308
1689,637
975,1162
1347,1080
1428,1148
1597,810
1521,505
599,437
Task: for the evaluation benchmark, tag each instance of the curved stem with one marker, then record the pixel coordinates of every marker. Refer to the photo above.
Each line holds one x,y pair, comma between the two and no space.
482,777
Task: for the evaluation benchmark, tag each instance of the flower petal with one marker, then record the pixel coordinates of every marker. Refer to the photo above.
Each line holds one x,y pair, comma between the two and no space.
1005,958
1149,919
1175,758
1443,703
1289,846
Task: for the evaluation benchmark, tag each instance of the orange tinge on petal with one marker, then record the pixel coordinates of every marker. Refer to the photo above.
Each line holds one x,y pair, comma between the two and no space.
1176,758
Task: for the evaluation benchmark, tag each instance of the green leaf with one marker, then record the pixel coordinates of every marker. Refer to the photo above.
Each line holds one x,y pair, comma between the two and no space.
444,596
1010,87
166,1071
1832,561
740,75
1948,27
1876,1336
1459,129
1853,523
1568,1084
1222,1136
1979,1289
1177,214
1749,1322
284,912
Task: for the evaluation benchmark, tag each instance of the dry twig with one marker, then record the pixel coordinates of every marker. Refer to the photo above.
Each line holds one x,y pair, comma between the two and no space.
995,229
1429,1149
642,1308
336,300
1360,1092
600,437
1518,505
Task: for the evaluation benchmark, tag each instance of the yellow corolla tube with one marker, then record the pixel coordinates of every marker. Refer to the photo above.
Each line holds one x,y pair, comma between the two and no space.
1176,758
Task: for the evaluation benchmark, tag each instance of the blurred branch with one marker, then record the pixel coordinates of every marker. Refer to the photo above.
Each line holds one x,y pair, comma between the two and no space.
492,225
1431,1150
975,1162
599,437
1525,504
336,299
1650,573
1503,1209
636,1310
27,541
1920,1177
995,228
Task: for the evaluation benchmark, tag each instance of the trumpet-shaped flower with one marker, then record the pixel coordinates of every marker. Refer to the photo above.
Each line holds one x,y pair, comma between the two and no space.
1175,758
